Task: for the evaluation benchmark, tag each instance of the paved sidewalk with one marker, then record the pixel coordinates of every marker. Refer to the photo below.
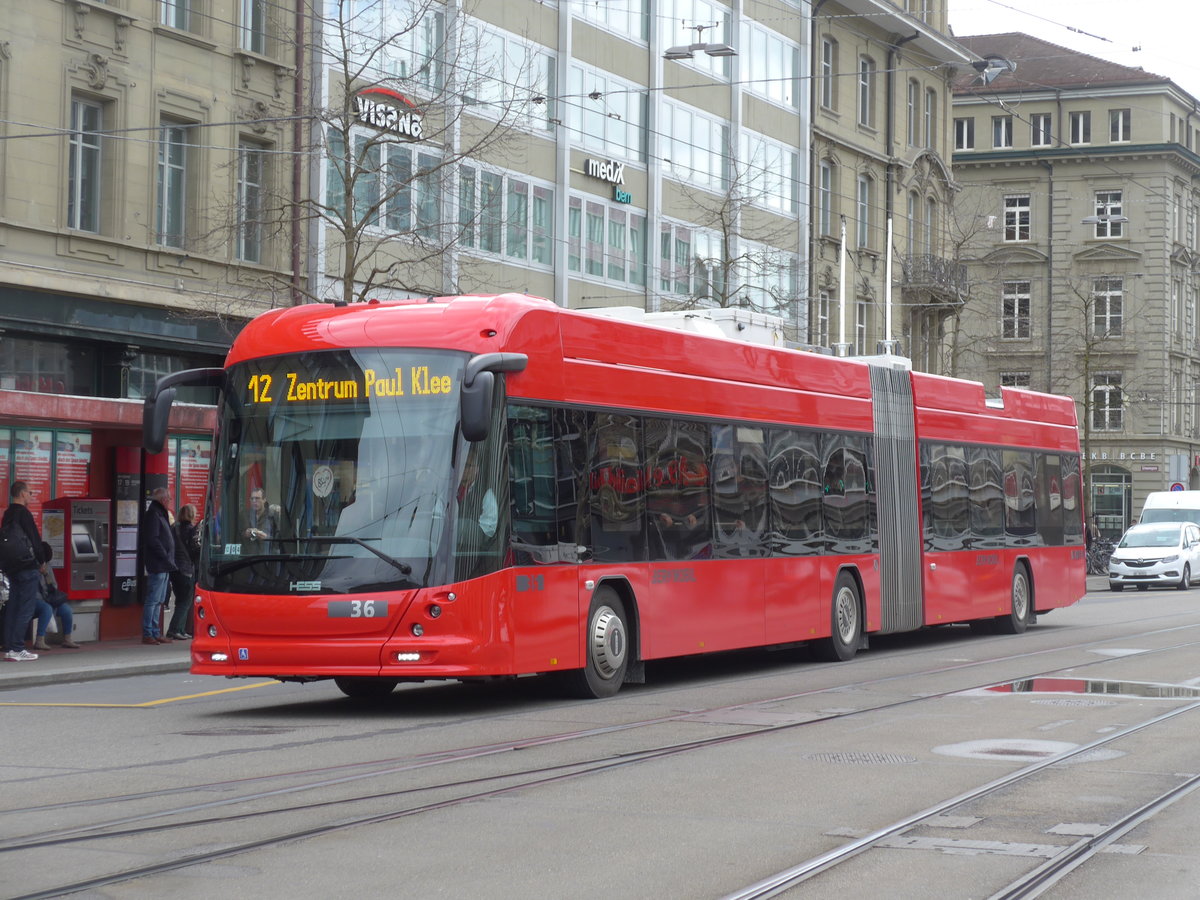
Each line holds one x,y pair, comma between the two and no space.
98,659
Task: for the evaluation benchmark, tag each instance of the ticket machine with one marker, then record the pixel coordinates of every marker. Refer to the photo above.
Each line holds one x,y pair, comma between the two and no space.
78,532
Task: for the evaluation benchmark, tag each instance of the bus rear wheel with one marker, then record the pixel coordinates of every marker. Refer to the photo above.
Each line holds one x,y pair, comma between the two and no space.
366,688
845,622
1018,618
607,648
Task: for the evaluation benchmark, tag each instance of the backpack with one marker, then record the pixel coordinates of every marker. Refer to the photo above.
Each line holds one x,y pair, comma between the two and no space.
16,551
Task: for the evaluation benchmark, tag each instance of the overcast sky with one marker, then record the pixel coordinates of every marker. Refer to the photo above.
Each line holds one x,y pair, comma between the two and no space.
1166,31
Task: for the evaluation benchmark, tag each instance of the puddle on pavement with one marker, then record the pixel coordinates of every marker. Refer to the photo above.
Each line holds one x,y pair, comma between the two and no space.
1096,687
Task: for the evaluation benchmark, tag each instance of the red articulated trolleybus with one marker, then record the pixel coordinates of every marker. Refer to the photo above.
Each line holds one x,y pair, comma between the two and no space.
493,486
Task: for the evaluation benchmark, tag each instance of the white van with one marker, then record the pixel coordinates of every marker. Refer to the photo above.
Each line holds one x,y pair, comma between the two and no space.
1172,506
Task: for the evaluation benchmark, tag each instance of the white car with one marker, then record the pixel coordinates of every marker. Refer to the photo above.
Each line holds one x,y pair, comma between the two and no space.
1166,553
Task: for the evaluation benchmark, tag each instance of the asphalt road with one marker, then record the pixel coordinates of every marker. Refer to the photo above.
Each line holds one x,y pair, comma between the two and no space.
715,774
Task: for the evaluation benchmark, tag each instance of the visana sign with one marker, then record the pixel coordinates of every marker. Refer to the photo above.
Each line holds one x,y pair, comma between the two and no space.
385,109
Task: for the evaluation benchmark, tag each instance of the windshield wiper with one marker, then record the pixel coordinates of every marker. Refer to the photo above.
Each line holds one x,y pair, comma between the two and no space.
405,568
234,565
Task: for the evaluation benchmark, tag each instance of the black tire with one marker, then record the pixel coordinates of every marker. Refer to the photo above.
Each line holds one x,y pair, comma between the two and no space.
1143,587
366,688
1021,609
845,622
1185,582
1116,588
607,648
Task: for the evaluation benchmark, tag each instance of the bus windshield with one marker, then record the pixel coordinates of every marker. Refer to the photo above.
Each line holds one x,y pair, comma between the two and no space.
334,473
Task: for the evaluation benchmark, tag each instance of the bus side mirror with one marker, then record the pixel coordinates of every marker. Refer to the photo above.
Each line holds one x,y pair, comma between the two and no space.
475,406
155,415
478,386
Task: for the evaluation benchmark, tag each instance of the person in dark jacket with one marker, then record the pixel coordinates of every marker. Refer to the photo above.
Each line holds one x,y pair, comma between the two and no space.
23,579
158,559
183,579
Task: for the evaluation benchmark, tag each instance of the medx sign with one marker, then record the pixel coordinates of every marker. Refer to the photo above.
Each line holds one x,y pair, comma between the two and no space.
611,171
377,106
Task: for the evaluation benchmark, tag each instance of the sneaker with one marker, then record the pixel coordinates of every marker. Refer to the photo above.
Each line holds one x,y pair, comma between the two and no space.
20,655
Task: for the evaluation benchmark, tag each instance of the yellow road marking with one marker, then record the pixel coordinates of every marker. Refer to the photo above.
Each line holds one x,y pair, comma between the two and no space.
151,703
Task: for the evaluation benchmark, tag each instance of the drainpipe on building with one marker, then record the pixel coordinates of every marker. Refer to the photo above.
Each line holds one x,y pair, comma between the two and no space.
1050,274
297,166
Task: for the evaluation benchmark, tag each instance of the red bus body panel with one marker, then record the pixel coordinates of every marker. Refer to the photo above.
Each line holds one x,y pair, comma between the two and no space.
531,619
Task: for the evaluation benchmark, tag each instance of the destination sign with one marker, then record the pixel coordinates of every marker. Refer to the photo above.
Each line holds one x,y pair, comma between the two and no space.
303,387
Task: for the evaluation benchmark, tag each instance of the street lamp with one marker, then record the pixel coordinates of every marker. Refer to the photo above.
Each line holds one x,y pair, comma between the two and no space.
688,51
1103,220
992,67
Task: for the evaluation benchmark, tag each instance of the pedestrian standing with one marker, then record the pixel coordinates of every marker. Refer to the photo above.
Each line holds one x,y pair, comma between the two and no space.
23,575
183,579
158,559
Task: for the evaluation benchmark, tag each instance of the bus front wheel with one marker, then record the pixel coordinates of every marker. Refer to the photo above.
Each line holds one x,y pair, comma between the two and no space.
607,648
845,622
366,688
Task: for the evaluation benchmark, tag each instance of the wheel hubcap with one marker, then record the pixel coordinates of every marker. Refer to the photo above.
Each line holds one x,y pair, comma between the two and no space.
846,615
607,642
1020,598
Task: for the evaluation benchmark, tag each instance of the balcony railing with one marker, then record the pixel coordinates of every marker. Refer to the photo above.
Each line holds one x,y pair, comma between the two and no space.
943,278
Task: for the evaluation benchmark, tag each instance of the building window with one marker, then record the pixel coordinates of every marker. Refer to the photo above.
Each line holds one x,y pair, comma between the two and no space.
931,226
1014,310
681,15
1039,129
172,184
772,66
1081,127
964,134
861,313
825,198
769,173
513,80
1108,295
863,209
47,367
1119,121
1108,205
175,13
866,91
252,31
609,242
1107,402
829,64
930,130
914,111
628,18
696,146
393,187
84,174
1017,218
1015,379
818,320
251,173
692,263
913,221
1002,131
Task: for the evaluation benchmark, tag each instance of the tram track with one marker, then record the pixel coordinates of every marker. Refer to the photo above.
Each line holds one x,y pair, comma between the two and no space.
474,789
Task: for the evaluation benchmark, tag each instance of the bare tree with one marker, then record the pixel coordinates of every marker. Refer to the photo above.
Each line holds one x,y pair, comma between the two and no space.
407,99
737,255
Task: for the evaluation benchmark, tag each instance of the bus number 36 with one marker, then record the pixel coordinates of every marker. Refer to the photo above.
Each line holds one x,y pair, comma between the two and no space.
357,609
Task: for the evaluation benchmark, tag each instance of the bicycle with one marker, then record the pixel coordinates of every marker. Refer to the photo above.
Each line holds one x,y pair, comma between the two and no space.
1098,555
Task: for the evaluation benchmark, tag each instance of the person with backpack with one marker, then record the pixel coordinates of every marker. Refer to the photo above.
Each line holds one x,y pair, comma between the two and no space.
21,564
183,579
